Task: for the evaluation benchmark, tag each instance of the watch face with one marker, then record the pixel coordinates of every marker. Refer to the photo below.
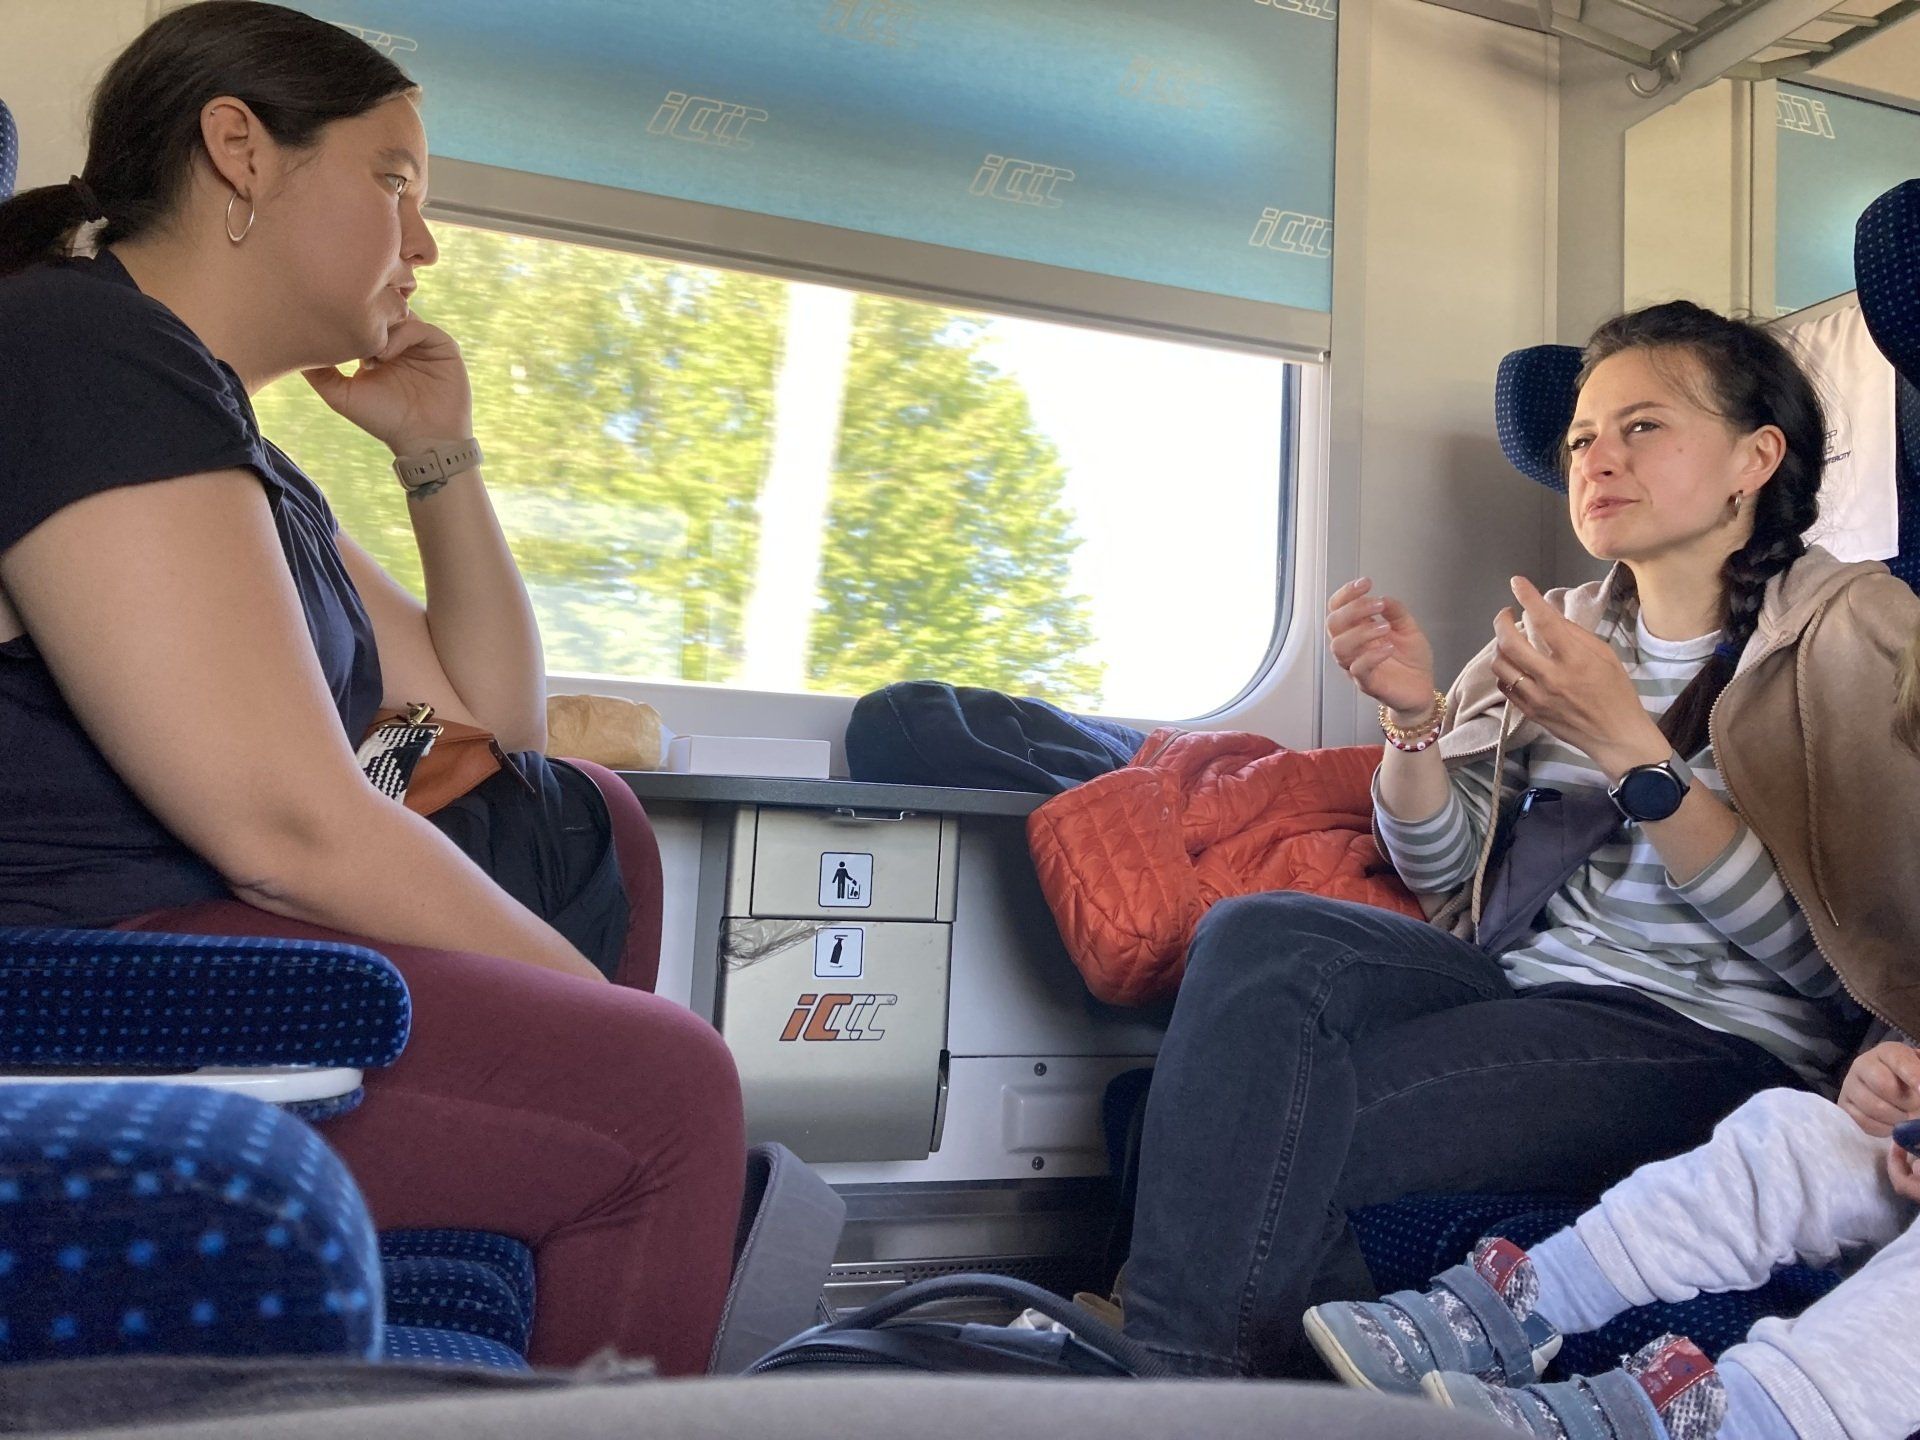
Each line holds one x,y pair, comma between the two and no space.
1651,793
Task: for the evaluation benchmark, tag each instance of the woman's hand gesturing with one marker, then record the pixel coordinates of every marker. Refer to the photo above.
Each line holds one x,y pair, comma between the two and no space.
413,393
1568,680
1384,653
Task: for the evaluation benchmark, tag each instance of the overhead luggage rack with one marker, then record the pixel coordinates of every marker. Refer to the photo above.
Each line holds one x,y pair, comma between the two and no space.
1838,30
1656,36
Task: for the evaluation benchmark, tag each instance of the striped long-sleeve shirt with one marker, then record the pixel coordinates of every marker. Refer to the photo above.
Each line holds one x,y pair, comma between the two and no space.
1729,948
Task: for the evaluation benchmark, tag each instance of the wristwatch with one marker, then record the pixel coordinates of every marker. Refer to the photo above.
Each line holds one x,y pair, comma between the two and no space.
1650,792
427,470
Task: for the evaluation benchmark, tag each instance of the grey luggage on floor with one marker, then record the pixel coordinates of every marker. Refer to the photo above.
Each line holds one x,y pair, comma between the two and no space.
790,1226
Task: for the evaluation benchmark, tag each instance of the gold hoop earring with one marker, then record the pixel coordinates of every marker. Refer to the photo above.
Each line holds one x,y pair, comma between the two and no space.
236,239
1734,500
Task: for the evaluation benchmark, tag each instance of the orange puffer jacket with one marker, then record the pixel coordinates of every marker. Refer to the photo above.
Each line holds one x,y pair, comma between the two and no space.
1132,859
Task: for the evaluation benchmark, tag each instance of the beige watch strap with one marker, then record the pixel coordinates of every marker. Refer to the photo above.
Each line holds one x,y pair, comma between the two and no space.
437,464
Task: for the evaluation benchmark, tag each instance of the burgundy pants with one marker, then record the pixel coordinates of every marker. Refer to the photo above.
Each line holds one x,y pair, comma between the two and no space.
598,1123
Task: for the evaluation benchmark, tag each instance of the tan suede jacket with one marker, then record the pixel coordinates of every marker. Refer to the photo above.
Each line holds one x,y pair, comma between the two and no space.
1802,736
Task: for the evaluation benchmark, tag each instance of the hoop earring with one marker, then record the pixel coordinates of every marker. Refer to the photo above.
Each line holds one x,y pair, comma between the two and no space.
236,239
1734,500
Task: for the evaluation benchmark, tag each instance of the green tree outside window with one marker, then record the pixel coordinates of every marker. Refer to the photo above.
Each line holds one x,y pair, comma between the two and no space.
627,409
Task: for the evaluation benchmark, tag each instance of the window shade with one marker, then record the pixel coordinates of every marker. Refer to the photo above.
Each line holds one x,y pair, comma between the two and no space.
1836,156
1186,144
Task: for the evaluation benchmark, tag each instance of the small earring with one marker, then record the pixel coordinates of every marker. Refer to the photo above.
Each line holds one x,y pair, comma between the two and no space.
236,239
1735,501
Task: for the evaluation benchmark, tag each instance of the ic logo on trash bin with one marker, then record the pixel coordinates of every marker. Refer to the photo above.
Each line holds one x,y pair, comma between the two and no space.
837,1017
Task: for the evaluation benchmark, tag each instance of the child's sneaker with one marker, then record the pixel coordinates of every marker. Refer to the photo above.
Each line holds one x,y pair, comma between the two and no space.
1667,1390
1477,1319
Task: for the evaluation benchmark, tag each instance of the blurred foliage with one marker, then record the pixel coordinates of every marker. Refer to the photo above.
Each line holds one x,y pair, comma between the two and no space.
627,409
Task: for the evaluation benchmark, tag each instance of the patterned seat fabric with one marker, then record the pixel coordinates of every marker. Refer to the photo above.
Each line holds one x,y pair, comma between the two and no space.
1886,267
506,1259
122,998
1533,397
1408,1242
464,1295
9,151
408,1345
133,1002
141,1218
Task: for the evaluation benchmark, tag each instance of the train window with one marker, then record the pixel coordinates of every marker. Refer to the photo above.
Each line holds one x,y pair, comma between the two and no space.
1835,154
720,477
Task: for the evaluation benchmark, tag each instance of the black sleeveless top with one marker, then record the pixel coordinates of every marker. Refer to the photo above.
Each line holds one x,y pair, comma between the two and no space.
100,387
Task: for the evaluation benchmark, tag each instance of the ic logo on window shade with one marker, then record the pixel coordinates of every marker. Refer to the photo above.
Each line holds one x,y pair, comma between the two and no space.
875,22
1292,233
1019,182
1803,115
385,43
1164,83
704,121
1318,9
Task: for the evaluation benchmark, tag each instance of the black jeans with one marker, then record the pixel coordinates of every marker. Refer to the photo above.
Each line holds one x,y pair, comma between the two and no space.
1325,1055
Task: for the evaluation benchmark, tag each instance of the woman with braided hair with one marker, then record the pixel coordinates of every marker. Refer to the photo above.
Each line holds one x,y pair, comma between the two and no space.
1707,889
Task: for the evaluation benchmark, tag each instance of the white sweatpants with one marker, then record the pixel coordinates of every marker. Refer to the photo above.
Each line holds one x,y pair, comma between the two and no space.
1788,1176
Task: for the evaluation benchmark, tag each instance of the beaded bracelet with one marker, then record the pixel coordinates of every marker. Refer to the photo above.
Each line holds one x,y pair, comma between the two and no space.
1416,738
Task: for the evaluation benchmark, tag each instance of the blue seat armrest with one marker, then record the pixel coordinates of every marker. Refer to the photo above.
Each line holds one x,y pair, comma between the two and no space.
122,999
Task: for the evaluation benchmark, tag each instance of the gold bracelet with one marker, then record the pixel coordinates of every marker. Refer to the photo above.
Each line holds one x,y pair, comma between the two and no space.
1414,738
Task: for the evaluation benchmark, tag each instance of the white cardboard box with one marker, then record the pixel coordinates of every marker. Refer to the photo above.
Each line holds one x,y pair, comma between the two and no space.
749,755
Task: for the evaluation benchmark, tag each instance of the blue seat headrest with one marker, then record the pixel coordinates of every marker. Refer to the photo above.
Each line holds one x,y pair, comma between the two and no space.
1886,270
1533,400
9,151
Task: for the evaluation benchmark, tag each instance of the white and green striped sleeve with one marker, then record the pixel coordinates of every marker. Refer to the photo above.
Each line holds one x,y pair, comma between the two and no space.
1438,854
1741,897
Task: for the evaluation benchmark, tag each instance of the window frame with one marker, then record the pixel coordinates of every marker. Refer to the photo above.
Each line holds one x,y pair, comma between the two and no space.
1303,382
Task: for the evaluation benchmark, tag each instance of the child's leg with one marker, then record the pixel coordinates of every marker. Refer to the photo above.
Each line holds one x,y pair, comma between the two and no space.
1849,1365
1788,1176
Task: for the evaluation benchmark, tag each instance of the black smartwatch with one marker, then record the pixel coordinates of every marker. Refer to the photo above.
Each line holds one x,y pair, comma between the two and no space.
1650,792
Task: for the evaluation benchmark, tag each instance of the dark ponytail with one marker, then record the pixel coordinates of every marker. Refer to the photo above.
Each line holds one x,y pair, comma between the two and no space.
1752,380
298,74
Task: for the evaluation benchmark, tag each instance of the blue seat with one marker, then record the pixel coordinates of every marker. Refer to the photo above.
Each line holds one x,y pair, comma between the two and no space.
1533,396
107,1000
151,1218
1886,267
87,1003
154,1219
1409,1241
482,1288
9,151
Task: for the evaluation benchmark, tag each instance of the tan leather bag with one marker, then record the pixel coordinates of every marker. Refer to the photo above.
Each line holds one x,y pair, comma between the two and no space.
426,763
